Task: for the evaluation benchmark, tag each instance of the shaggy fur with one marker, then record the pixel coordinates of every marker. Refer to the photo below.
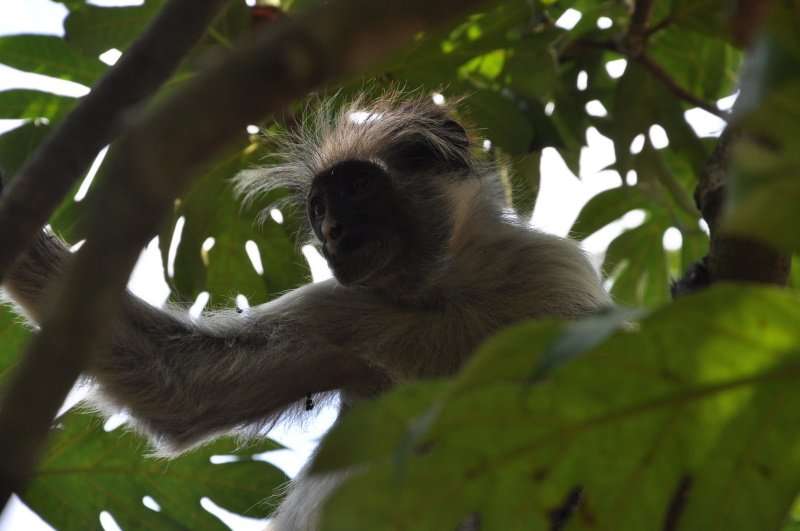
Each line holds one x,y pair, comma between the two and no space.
185,381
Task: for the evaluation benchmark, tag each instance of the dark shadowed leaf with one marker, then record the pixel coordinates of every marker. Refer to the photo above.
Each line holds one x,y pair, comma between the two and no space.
87,470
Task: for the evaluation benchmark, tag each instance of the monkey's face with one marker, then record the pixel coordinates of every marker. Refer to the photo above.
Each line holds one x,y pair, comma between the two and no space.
359,220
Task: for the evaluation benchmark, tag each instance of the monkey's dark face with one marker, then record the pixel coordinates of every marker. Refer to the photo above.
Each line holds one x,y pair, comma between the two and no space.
359,220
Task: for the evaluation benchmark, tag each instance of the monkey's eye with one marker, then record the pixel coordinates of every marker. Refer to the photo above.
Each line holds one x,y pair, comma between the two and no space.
316,207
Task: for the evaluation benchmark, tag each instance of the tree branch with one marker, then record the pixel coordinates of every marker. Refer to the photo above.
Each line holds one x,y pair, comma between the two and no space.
734,258
680,92
730,258
639,19
67,153
154,162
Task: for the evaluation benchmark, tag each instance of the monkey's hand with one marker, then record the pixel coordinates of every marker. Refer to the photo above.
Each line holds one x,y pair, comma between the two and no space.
26,281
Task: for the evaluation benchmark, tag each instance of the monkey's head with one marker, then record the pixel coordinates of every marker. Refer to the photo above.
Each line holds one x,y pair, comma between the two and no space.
377,181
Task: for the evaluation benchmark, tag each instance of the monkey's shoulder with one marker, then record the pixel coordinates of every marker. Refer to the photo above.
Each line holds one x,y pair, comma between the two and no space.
524,273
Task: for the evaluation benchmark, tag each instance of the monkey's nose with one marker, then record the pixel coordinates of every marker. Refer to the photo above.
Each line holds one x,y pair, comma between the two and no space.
331,229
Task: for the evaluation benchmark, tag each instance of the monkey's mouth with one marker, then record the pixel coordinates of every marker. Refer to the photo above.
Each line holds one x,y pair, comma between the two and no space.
358,257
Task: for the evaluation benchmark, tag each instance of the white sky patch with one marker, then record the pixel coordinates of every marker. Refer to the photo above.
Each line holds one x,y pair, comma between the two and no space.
317,263
703,226
569,19
300,439
672,239
147,279
90,175
597,242
232,520
251,248
41,17
631,178
360,117
562,194
596,108
208,244
108,522
7,125
704,123
116,3
438,98
616,67
110,56
242,303
276,215
11,78
115,421
637,144
726,103
151,504
200,302
634,218
597,155
549,108
74,248
222,459
17,515
205,248
173,246
658,136
487,144
582,82
252,129
604,23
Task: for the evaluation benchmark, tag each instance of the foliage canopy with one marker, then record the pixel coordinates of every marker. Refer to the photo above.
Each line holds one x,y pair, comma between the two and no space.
683,416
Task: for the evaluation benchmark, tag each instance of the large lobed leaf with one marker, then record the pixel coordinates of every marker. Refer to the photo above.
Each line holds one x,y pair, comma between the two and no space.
686,420
86,471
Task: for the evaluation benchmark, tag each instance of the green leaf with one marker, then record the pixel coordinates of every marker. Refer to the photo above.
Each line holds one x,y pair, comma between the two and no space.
501,121
93,29
706,67
18,144
763,189
211,210
605,207
13,337
644,277
50,56
32,104
690,415
87,471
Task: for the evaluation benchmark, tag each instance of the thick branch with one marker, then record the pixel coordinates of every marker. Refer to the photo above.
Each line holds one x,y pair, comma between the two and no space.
639,20
163,148
66,154
734,258
730,258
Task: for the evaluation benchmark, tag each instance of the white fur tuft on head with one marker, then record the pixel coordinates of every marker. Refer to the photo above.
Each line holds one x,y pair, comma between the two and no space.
330,132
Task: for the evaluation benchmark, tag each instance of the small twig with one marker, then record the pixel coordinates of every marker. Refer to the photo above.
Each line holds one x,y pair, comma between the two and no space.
662,75
654,68
658,26
66,154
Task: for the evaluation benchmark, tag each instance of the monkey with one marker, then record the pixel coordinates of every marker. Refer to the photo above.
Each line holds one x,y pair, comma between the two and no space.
427,262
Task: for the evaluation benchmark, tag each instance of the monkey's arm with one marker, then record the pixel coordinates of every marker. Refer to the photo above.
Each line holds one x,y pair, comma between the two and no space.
184,380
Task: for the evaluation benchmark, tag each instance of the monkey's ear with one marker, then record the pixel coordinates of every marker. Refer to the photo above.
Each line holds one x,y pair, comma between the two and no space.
447,149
